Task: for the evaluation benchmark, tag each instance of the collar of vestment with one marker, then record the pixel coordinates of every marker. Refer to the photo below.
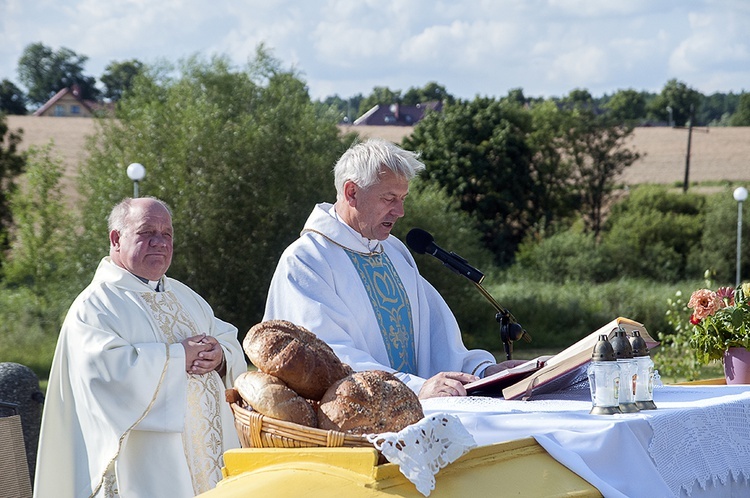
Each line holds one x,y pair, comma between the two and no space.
122,278
325,222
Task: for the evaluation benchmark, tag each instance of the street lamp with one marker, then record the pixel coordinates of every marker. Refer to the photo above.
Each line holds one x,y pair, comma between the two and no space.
136,172
740,195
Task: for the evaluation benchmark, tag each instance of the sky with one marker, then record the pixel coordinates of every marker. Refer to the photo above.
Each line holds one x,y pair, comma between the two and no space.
471,47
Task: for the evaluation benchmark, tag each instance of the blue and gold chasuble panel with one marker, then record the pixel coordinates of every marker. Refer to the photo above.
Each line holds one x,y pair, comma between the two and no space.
391,306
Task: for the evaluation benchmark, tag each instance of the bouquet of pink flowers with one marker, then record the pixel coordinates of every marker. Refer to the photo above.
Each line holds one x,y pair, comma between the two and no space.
721,320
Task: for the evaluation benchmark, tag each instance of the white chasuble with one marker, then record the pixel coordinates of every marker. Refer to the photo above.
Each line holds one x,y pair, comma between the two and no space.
122,417
205,393
319,286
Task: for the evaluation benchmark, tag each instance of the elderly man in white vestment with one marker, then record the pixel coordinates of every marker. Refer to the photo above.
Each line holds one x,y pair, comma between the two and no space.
135,403
356,286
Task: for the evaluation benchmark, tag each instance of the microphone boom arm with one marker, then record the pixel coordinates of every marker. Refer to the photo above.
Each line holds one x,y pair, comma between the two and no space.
422,242
494,303
510,329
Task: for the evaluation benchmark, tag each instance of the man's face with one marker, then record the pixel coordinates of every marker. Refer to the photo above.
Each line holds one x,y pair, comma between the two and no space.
376,208
144,246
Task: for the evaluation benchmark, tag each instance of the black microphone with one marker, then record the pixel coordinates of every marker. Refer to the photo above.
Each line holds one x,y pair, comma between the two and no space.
422,242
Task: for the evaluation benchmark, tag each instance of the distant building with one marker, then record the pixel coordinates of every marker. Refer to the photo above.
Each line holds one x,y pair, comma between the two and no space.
397,114
68,103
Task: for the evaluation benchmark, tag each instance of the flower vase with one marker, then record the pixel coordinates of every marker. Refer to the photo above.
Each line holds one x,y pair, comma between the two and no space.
737,366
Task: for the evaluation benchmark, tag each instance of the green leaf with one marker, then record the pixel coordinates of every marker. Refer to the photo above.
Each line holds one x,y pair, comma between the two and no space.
737,317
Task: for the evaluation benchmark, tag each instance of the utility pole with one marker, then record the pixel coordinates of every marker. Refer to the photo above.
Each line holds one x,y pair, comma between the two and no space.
689,128
687,157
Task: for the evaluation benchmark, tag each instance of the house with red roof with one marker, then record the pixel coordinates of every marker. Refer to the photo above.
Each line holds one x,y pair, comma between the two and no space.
69,103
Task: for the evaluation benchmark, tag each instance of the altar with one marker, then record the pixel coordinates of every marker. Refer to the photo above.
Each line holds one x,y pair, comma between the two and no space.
696,443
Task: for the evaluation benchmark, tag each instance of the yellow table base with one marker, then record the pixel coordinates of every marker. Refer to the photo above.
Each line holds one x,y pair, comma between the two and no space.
515,468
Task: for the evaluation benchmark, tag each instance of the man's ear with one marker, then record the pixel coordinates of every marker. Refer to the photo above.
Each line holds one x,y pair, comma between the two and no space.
114,239
350,193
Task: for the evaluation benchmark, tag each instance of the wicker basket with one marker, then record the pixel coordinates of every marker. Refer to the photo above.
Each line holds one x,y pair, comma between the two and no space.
258,431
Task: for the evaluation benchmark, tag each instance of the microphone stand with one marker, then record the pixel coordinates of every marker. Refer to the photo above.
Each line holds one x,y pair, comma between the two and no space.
510,329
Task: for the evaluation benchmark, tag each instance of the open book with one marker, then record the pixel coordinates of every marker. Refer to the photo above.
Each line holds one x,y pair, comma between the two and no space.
548,374
494,384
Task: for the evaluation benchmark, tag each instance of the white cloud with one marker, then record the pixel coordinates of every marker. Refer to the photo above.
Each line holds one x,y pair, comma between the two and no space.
545,47
579,68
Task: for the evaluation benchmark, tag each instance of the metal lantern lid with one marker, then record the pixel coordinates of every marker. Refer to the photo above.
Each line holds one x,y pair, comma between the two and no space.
603,350
638,343
621,344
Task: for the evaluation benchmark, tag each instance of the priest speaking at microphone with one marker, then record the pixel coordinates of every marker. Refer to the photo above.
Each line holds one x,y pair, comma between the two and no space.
358,288
135,403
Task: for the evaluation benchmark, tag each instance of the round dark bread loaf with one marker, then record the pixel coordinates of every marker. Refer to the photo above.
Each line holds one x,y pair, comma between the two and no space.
269,396
295,355
370,402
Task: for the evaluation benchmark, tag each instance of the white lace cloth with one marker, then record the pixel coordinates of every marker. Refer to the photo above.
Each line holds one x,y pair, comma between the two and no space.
422,449
696,443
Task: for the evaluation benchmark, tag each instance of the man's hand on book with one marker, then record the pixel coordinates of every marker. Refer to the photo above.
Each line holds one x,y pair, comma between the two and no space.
446,384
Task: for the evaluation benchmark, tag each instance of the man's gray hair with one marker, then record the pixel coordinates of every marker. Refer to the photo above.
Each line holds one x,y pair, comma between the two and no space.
363,162
118,217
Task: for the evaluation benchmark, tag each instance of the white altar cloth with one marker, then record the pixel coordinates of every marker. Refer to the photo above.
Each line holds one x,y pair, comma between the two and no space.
696,443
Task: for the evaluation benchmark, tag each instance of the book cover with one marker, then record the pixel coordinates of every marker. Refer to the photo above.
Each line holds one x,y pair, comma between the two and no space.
565,368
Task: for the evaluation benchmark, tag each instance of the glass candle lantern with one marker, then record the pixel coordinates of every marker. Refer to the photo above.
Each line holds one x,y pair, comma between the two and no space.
628,371
604,378
644,386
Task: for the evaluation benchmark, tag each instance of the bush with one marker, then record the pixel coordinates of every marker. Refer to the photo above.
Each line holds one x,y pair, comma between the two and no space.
564,257
652,232
557,315
29,333
39,277
718,240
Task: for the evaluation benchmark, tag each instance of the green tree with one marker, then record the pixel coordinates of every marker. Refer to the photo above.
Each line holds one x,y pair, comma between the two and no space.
12,98
478,151
627,106
557,203
45,72
741,117
599,155
516,96
44,227
715,109
580,99
38,287
381,95
348,110
432,91
240,156
681,99
12,164
118,77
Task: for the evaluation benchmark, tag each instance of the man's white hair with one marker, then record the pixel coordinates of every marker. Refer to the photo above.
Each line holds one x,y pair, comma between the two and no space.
118,217
364,162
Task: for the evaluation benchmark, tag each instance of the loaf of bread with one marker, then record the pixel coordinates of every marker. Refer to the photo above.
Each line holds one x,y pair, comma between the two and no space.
370,402
269,396
295,355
